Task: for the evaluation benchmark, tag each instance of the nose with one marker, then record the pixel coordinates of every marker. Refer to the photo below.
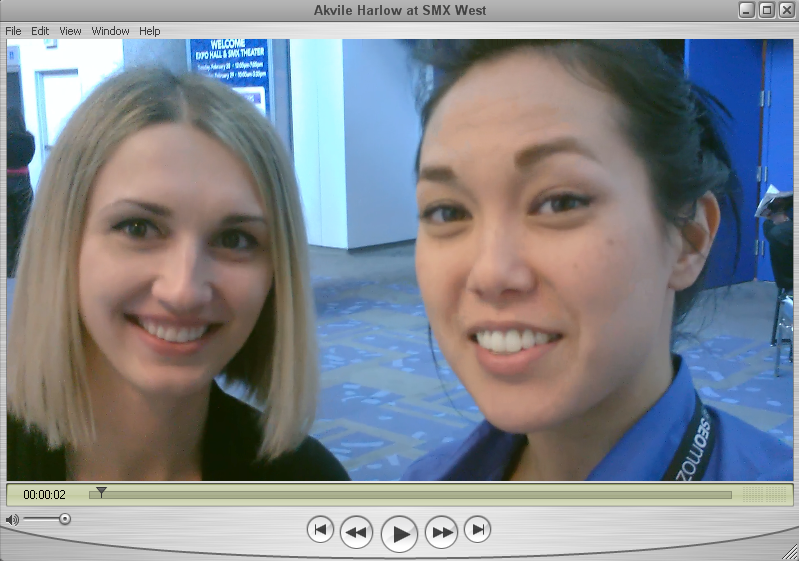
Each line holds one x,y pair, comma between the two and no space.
184,281
500,269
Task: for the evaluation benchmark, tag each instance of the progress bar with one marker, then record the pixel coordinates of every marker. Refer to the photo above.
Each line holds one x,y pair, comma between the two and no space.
404,495
400,494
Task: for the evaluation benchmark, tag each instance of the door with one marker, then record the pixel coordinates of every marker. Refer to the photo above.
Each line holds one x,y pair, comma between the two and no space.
58,94
777,156
732,70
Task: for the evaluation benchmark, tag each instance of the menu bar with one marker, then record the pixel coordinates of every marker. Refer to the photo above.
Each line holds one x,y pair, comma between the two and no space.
53,31
78,31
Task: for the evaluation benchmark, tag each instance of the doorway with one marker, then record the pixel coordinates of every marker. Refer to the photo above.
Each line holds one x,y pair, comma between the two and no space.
58,93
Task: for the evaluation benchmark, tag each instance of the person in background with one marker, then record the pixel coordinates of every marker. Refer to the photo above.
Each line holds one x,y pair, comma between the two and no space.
778,229
568,195
21,148
166,247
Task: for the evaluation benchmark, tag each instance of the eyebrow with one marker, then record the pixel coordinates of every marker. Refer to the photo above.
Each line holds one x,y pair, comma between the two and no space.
235,219
527,157
533,155
437,174
160,210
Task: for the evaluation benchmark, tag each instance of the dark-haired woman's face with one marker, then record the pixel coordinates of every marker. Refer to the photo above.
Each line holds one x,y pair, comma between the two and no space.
546,272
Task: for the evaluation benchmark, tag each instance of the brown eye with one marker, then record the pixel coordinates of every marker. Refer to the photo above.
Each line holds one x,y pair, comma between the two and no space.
562,203
136,228
443,214
236,240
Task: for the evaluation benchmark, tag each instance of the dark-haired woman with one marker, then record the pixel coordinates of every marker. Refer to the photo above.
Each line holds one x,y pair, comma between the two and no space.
569,195
21,148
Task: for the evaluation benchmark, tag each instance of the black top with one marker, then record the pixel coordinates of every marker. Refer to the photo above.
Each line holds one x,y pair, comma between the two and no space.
20,149
780,239
781,233
231,441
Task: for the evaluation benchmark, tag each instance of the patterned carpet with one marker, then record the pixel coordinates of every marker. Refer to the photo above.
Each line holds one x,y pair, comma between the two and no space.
383,404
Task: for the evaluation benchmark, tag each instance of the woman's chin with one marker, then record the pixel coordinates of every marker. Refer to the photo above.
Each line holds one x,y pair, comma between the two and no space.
168,383
518,416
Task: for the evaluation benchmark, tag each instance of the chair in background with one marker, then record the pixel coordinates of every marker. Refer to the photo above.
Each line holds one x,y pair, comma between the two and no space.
784,331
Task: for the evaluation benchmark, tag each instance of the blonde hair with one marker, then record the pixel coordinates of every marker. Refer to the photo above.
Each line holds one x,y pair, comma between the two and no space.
46,366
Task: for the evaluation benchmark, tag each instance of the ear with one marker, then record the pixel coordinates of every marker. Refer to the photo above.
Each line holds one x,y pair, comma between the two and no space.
696,240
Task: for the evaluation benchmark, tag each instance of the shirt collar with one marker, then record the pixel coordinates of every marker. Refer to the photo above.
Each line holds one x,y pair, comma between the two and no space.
646,450
642,454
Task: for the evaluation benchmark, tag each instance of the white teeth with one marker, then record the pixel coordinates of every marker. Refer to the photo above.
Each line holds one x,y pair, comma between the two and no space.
497,342
511,341
173,334
528,339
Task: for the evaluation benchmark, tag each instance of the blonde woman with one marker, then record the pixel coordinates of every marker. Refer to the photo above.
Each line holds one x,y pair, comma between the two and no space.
166,246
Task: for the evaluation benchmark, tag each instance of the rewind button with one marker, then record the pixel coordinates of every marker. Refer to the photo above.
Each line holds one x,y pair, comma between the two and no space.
356,532
441,532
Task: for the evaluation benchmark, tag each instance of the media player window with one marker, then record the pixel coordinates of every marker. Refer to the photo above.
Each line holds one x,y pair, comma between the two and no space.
375,280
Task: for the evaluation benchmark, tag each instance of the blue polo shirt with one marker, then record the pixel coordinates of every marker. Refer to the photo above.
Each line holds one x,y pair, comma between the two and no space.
741,452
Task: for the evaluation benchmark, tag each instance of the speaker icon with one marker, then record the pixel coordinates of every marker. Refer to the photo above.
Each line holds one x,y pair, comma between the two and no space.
13,519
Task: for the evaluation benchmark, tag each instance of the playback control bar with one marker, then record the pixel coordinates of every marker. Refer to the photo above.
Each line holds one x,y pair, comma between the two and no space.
399,533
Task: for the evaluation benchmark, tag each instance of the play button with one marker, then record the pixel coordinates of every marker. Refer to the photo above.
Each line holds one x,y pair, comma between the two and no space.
441,532
399,534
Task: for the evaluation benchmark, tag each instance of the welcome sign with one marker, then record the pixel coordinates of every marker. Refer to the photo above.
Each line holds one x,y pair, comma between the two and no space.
243,64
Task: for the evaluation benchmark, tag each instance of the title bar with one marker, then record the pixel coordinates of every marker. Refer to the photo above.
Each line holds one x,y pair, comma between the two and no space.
377,11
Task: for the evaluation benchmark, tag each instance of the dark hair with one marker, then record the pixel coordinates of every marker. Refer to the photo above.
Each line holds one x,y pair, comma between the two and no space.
671,124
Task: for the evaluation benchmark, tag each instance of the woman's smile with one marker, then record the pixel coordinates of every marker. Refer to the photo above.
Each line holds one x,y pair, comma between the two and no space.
173,337
511,349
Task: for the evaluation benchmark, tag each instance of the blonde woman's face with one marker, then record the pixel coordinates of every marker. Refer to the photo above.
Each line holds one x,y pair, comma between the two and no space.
173,267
